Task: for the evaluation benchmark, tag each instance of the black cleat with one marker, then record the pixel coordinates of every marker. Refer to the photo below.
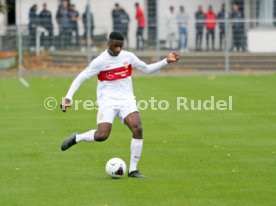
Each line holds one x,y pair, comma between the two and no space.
136,174
69,142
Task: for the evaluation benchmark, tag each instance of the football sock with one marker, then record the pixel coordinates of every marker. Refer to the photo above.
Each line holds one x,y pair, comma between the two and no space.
136,150
87,136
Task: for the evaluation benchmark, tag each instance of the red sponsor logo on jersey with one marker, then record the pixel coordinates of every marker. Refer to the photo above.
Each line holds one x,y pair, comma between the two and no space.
115,74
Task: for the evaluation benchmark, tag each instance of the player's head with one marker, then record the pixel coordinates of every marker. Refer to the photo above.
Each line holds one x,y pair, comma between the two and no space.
115,43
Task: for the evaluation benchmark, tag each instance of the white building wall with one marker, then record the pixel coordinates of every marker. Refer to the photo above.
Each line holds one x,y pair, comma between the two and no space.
103,20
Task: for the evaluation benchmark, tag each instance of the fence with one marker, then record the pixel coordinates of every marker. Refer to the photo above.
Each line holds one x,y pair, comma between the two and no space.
69,38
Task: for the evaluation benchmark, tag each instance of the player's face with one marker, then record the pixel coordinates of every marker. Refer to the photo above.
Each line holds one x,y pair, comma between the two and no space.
115,47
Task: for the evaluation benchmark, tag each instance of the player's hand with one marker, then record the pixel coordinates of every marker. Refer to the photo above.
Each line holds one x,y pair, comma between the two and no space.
65,103
173,57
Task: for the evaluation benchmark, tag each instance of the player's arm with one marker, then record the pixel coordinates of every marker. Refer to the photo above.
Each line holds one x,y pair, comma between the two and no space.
150,68
84,75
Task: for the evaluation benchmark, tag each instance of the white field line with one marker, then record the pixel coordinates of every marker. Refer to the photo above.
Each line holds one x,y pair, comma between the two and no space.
24,82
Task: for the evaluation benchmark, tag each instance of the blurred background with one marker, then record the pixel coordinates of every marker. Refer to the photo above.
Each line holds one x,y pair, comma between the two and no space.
212,35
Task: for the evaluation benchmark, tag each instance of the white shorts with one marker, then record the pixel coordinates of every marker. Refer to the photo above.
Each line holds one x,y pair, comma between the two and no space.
108,113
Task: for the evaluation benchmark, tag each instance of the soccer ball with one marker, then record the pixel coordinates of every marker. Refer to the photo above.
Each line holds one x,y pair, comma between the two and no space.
115,168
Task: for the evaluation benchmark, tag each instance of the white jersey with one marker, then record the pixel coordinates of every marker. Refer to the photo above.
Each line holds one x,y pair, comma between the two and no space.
114,77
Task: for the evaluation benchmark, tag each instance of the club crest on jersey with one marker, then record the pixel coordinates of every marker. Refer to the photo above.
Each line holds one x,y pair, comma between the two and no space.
101,117
125,64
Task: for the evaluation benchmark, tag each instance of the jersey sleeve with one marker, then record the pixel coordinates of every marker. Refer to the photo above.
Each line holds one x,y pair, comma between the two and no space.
91,70
146,68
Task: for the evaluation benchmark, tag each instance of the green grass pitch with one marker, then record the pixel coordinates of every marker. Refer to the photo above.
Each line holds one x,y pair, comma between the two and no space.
191,157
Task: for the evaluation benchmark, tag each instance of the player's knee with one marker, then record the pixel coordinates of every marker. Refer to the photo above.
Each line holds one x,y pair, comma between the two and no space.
101,136
137,131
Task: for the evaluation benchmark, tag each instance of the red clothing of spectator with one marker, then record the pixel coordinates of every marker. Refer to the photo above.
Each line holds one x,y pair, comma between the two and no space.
210,18
140,17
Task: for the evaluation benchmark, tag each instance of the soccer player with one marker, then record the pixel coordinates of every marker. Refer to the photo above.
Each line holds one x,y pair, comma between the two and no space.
113,68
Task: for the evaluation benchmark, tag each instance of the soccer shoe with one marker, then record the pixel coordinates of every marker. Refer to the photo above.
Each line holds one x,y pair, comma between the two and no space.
69,142
136,174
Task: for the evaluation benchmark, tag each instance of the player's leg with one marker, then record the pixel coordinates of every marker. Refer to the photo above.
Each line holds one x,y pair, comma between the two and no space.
133,122
105,119
99,135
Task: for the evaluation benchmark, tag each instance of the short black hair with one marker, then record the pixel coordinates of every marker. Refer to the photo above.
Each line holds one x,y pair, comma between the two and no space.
115,35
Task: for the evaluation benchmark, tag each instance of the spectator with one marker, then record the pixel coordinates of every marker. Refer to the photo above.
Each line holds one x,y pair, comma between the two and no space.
140,17
33,24
88,24
45,18
171,28
74,17
210,24
63,20
200,17
124,21
237,29
221,17
116,12
182,20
